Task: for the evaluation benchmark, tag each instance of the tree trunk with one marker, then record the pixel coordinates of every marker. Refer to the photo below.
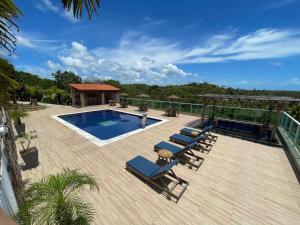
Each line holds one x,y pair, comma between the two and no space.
13,166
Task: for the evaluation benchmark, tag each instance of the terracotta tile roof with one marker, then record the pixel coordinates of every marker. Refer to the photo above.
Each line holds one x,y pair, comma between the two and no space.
94,87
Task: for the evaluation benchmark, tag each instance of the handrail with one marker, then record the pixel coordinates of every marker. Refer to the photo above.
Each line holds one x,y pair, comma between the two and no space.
198,104
292,118
237,113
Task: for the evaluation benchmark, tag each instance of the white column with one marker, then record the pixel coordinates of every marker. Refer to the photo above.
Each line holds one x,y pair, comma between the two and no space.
102,98
82,99
73,92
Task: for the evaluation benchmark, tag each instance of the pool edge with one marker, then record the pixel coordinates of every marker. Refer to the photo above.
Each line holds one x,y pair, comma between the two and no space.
98,141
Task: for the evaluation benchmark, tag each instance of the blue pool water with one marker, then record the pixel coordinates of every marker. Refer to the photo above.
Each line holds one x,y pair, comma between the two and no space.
107,124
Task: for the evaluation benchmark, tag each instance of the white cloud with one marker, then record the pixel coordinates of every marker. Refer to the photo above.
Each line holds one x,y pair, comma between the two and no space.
45,5
48,5
276,63
52,65
278,4
172,70
293,81
37,42
264,43
138,57
90,63
25,41
69,16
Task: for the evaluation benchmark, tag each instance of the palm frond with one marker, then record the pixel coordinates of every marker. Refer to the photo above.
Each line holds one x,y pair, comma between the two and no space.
56,200
8,11
76,6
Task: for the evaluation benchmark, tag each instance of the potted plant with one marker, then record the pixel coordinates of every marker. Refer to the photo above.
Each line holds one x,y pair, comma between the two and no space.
16,115
29,154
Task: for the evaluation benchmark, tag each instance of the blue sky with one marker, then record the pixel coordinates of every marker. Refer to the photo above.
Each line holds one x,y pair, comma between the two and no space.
246,44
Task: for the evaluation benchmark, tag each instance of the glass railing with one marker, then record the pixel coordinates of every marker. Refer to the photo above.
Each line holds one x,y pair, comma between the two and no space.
224,112
289,132
8,200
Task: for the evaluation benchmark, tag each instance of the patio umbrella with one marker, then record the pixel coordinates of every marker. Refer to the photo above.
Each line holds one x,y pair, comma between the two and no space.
143,96
173,97
124,94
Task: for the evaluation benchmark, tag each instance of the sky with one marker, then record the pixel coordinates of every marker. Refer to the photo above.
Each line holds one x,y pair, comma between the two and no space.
238,43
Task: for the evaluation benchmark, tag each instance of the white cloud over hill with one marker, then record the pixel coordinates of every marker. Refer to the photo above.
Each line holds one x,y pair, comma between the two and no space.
140,58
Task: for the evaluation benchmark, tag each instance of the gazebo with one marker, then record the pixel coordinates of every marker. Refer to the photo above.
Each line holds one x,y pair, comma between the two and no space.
276,101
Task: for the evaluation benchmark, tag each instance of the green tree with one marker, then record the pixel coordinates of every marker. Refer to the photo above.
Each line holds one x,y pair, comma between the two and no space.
114,83
8,84
55,95
28,79
56,200
64,79
33,91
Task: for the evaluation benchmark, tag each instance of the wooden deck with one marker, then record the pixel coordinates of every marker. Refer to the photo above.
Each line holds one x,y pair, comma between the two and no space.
239,182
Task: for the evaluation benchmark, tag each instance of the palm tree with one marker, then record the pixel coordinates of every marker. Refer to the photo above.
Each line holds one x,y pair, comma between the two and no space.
55,200
9,11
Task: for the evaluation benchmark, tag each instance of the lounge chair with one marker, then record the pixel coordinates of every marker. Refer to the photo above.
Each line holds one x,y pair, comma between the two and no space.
154,173
186,140
113,102
181,153
124,104
195,133
172,112
143,107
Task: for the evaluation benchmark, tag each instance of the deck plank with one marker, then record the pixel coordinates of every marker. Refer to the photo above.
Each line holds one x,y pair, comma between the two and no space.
239,182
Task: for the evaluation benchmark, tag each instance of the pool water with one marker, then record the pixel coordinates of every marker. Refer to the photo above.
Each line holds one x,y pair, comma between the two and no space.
107,124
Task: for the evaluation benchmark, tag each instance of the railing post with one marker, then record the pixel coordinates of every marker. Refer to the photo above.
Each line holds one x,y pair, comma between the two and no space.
161,104
291,126
297,135
283,118
255,116
191,108
235,113
285,123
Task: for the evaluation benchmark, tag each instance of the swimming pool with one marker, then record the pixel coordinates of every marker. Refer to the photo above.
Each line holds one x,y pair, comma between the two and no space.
105,126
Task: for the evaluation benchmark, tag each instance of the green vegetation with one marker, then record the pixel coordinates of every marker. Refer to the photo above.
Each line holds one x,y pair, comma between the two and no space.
63,79
26,139
57,90
7,82
16,116
56,200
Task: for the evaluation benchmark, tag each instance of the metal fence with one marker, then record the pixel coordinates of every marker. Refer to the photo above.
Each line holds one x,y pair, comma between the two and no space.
8,200
224,112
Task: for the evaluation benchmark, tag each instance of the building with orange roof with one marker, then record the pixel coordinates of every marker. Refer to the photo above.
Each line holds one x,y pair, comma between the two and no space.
93,94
